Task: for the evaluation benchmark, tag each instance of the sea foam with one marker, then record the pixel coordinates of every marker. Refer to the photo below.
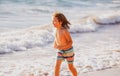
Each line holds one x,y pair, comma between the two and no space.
23,40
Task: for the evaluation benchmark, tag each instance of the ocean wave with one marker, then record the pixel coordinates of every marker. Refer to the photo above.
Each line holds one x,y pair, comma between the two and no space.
87,26
38,36
24,39
106,19
92,23
41,10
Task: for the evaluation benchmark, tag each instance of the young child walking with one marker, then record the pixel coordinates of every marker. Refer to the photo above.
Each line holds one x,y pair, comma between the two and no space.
63,42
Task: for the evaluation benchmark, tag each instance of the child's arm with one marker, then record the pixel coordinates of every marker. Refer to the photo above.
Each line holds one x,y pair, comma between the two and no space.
54,44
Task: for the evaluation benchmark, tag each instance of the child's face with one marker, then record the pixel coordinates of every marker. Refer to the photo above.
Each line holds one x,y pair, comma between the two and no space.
56,23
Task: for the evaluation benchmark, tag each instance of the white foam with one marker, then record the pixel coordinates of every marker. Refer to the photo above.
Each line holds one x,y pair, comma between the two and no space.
24,39
29,38
92,23
109,18
88,26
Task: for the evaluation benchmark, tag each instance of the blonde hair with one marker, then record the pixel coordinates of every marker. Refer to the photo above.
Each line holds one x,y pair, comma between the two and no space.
63,19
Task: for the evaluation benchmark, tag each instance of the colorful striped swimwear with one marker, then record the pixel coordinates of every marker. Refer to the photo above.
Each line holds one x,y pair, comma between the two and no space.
66,54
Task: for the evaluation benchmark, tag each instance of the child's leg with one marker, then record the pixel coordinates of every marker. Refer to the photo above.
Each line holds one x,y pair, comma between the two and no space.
57,67
72,69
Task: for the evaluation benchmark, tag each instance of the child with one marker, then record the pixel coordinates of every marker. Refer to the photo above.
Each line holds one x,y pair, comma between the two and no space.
63,42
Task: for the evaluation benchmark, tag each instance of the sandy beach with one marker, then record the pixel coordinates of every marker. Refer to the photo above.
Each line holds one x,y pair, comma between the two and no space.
107,72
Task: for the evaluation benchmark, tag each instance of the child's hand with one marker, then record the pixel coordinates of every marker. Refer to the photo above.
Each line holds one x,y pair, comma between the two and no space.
55,46
59,47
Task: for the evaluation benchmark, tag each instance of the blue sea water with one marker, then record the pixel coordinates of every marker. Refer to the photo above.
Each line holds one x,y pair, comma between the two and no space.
27,13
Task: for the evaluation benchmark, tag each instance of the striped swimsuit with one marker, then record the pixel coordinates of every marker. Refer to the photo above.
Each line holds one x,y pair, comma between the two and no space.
66,54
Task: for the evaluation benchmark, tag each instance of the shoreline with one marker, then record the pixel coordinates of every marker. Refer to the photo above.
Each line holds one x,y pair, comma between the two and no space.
106,72
29,63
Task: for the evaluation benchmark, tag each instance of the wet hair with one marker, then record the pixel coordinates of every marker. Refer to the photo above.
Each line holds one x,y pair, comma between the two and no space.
63,19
